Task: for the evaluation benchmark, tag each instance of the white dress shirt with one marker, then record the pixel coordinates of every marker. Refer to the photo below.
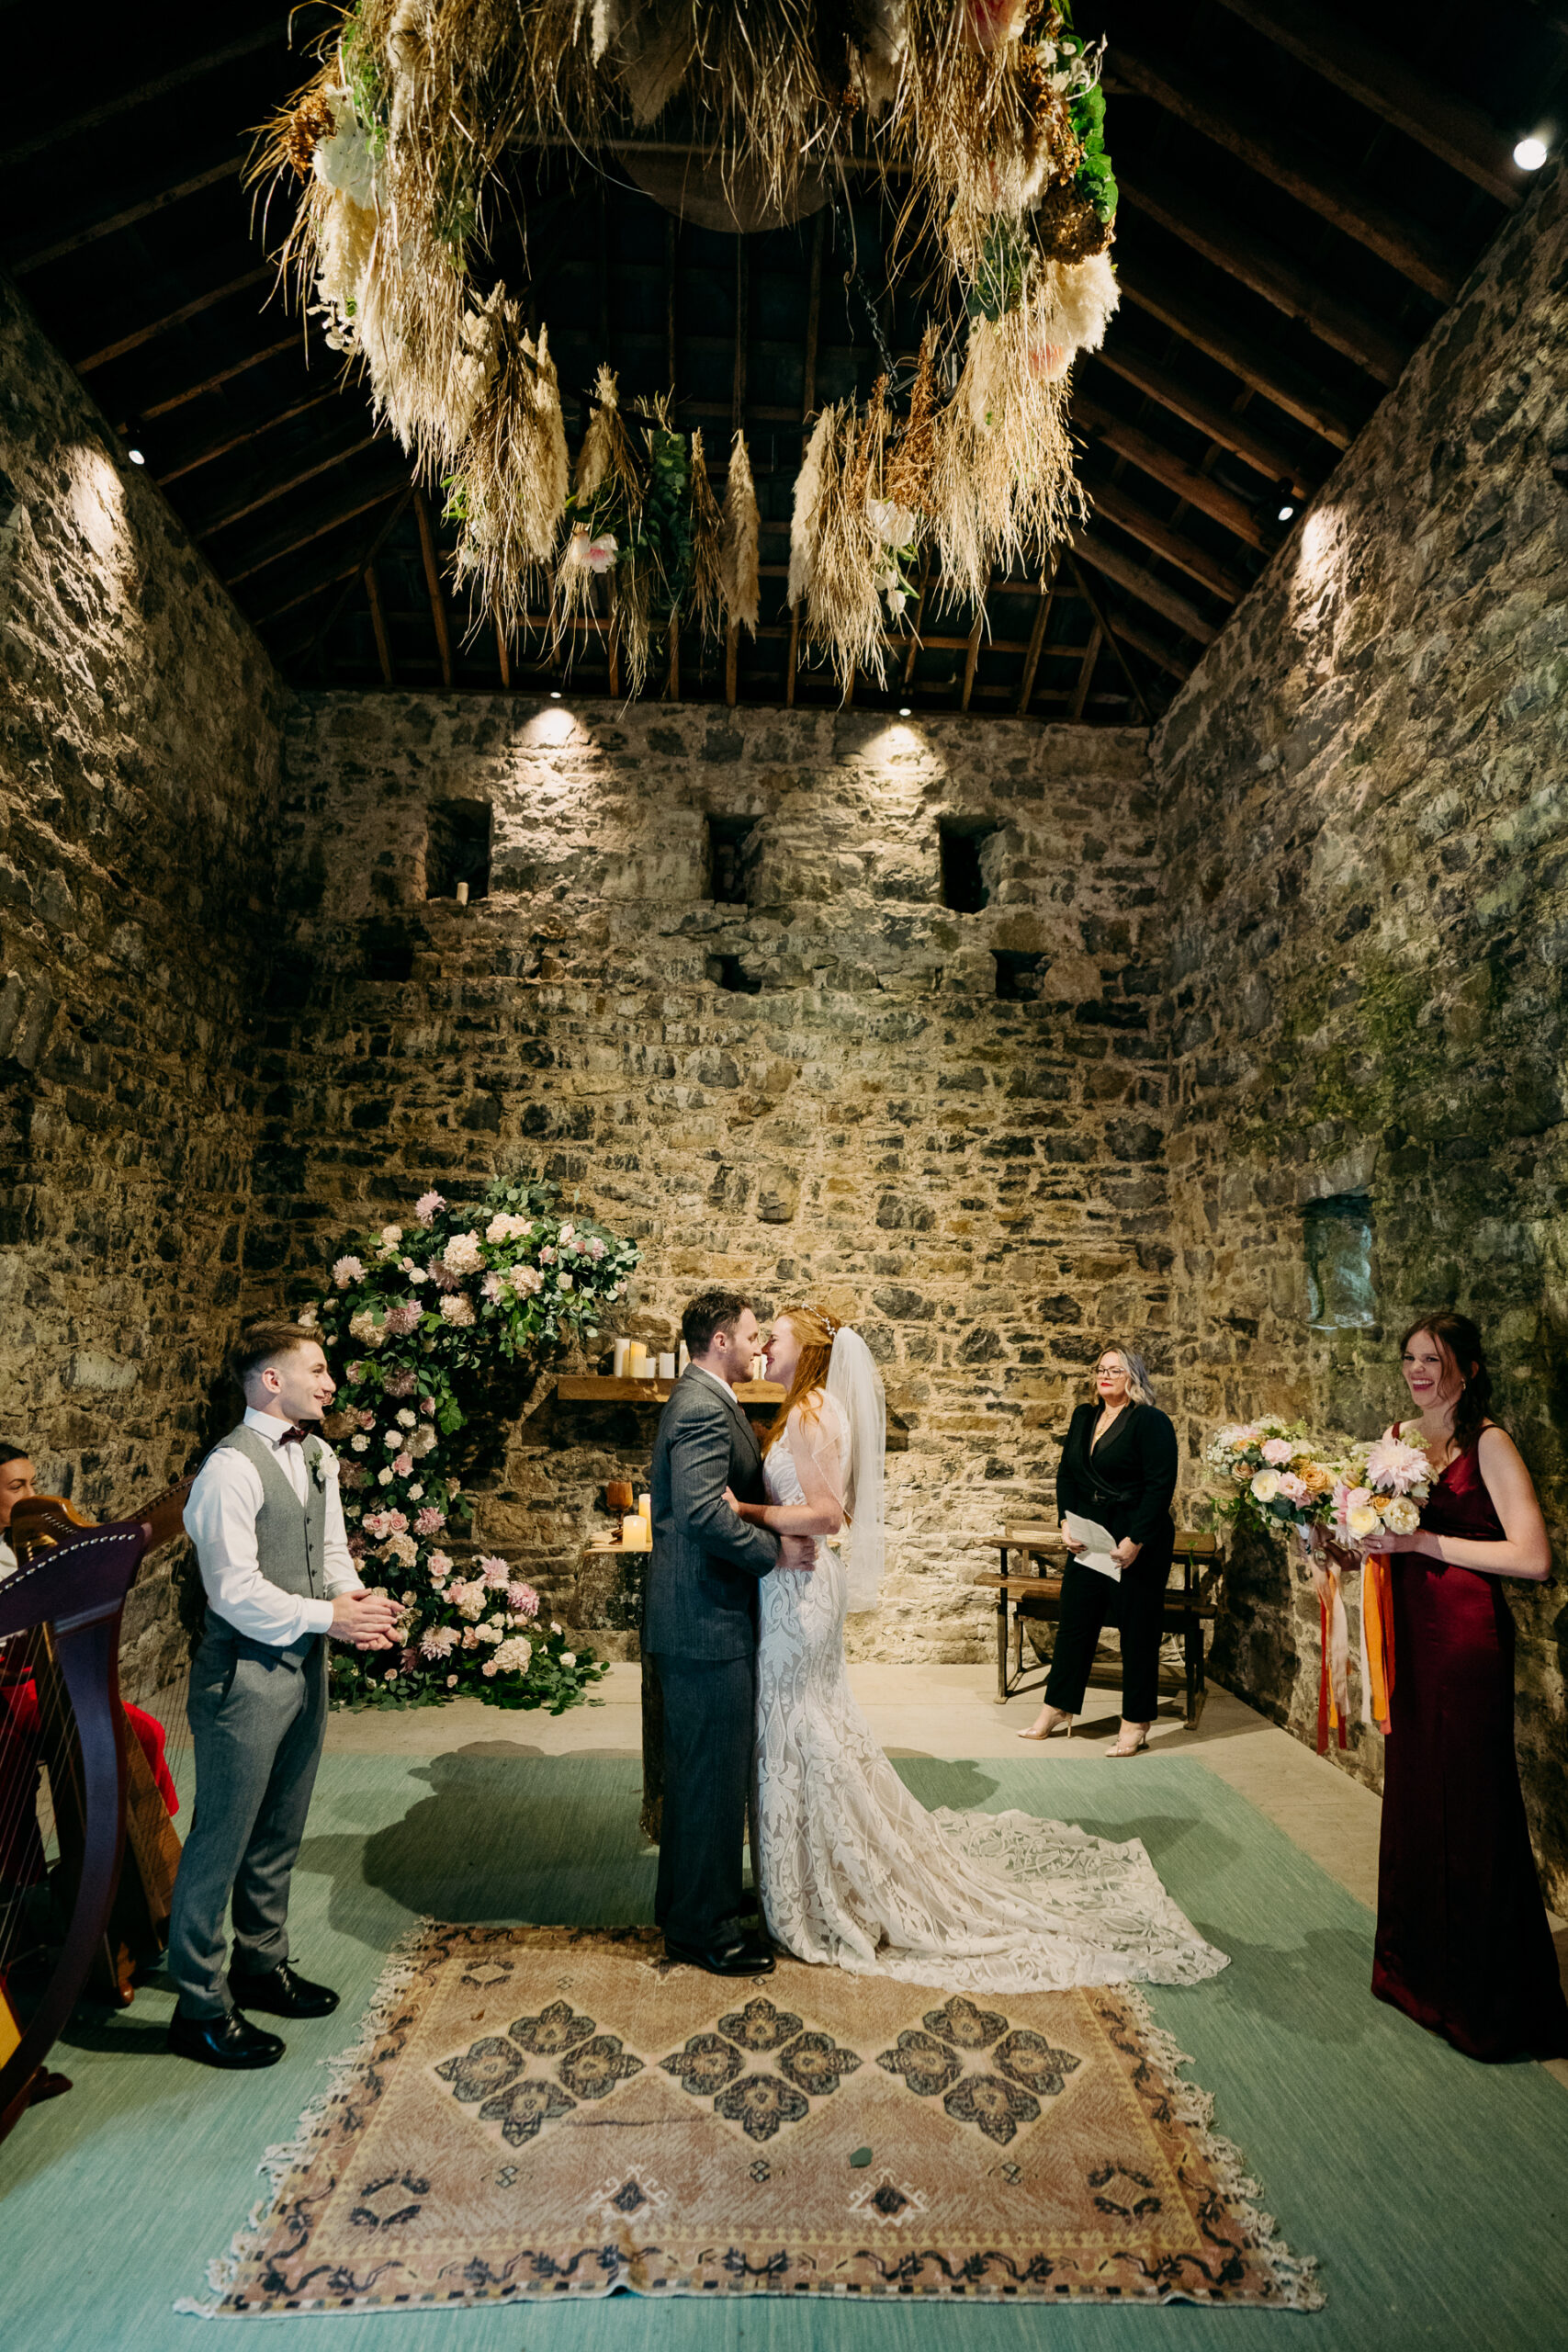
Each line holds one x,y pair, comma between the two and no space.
220,1520
7,1559
718,1382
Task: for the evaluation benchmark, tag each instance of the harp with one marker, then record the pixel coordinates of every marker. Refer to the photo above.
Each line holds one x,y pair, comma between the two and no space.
72,1582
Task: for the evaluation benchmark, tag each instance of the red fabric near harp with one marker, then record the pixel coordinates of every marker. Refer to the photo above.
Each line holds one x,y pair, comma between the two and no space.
21,1850
1462,1941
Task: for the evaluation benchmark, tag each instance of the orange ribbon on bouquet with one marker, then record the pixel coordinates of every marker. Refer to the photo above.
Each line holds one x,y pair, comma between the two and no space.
1377,1640
1334,1682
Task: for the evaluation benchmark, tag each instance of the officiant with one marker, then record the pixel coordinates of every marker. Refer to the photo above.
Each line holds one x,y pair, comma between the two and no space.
1118,1468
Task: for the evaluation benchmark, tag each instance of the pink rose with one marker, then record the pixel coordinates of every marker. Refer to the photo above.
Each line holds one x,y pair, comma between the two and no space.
402,1463
430,1520
1277,1451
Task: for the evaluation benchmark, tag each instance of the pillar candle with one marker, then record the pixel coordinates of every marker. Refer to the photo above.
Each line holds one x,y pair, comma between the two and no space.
684,1359
666,1367
622,1350
645,1505
462,894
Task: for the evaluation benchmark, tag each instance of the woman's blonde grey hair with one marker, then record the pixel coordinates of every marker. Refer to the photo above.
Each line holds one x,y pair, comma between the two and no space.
1140,1387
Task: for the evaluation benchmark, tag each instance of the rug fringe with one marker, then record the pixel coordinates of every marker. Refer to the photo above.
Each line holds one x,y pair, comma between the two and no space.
1194,2106
281,2160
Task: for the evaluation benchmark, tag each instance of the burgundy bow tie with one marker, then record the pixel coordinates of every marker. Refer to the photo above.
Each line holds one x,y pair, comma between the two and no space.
293,1435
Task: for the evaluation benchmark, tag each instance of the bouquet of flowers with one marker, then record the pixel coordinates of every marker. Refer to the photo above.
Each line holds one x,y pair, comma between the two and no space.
1379,1491
414,1324
1276,1480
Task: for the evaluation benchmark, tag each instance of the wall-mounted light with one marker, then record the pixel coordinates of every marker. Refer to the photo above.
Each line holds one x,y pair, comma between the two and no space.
555,693
1531,152
136,457
1285,513
904,711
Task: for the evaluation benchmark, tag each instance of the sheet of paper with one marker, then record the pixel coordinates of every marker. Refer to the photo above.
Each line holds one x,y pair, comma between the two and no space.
1099,1546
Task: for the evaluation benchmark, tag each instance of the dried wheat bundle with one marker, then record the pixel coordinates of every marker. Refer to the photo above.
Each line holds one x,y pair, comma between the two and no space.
1005,485
511,494
606,462
704,602
843,615
742,540
807,499
909,469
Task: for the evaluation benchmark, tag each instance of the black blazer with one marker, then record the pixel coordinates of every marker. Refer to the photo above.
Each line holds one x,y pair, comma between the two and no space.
701,1600
1128,1481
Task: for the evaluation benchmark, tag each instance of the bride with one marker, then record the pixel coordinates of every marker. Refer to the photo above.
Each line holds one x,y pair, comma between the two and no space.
851,1871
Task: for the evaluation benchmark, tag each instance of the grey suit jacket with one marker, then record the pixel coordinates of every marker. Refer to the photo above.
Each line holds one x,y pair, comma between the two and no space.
702,1579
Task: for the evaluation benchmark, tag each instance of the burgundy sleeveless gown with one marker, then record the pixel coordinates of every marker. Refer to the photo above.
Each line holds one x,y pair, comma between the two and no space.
1462,1941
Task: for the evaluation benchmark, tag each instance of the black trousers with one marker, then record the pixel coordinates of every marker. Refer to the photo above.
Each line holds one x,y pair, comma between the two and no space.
1137,1606
710,1711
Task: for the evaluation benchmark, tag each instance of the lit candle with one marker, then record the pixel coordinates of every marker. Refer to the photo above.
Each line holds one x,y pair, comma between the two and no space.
462,894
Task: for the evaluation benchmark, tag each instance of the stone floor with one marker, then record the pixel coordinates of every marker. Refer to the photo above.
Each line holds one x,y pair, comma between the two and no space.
950,1710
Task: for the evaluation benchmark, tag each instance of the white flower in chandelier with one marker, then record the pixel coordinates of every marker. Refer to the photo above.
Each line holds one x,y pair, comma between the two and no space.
596,554
344,160
893,525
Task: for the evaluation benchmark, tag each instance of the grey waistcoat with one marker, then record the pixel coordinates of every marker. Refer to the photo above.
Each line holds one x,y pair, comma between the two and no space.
290,1539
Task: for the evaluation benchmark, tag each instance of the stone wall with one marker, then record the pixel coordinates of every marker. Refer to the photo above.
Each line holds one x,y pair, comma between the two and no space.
815,1092
139,758
1365,843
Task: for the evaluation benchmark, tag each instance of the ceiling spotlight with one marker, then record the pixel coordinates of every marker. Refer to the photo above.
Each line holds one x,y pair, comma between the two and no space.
903,710
1530,154
136,457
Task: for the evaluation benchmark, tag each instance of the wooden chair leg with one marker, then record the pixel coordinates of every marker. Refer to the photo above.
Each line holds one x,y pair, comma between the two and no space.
1001,1649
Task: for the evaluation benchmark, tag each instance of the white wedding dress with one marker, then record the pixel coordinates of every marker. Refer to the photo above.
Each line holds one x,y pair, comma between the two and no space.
854,1873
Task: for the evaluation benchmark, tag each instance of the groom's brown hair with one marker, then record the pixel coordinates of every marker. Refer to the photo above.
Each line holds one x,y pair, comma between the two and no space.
709,1312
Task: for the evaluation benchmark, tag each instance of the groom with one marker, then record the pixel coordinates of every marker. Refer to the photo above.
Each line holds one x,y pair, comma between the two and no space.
700,1626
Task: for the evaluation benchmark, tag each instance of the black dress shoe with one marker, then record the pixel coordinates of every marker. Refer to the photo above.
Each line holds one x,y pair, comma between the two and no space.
282,1993
747,1958
229,2041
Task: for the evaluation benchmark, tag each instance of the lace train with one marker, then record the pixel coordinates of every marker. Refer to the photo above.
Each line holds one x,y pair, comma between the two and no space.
854,1873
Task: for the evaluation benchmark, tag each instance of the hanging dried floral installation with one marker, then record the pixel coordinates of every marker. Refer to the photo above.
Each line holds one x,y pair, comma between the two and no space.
990,109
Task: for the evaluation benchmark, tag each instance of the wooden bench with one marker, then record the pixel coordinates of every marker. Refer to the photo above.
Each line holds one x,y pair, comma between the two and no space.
1026,1590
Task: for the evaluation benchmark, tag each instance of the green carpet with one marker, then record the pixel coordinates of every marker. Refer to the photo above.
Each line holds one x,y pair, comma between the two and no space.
1433,2190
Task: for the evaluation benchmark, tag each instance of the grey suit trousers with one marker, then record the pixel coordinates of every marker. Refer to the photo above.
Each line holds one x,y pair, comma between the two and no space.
258,1716
710,1713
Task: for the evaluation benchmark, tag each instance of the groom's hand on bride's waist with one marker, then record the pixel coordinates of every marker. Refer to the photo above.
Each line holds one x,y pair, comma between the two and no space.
796,1552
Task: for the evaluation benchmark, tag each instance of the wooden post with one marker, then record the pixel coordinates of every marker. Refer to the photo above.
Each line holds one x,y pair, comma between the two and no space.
1037,638
1086,672
433,582
378,623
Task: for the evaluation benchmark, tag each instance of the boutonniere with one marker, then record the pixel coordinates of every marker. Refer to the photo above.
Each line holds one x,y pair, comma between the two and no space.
316,1456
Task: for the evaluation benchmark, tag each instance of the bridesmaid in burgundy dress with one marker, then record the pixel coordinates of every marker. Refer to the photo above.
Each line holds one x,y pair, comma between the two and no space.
1462,1941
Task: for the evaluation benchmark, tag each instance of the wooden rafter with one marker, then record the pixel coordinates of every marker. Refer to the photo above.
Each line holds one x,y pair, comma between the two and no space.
1378,79
221,376
1290,387
1038,626
1264,268
972,652
155,327
1085,676
429,558
1237,434
378,625
1309,174
142,94
252,503
1163,465
1146,586
1114,503
291,537
110,224
1110,631
240,439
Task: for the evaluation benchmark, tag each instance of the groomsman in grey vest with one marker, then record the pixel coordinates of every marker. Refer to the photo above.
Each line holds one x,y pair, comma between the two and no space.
700,1625
267,1519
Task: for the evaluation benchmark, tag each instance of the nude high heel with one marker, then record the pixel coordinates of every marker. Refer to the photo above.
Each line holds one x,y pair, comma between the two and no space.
1141,1742
1051,1728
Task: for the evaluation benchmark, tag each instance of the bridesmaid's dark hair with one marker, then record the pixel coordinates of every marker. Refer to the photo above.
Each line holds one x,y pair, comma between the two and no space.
1460,1338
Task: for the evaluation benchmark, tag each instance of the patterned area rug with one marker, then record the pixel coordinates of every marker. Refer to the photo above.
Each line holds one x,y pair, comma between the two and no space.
535,2112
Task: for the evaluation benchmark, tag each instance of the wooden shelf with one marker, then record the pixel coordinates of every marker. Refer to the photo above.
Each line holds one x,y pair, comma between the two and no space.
598,1389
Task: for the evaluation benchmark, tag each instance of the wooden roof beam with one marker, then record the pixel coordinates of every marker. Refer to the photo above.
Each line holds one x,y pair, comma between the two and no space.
1112,501
290,537
1233,432
1266,269
187,392
273,36
110,224
1290,387
1448,126
1105,628
1312,178
1145,586
221,446
253,504
187,310
1151,457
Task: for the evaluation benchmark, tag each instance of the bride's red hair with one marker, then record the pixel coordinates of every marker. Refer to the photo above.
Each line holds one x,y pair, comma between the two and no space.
816,1331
